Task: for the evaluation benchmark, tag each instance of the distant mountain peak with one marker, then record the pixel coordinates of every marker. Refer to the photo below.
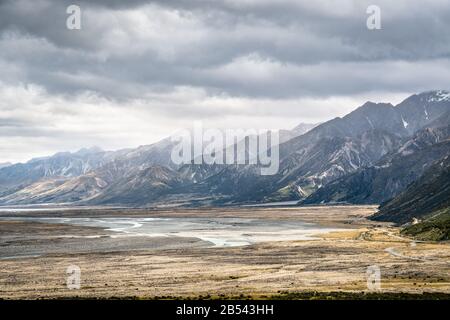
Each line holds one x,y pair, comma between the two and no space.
5,164
370,108
370,104
91,150
303,128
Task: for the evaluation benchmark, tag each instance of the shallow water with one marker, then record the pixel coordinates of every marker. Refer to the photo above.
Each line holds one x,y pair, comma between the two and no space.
220,232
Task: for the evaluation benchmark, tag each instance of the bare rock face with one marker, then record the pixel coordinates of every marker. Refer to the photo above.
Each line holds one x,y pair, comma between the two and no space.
391,174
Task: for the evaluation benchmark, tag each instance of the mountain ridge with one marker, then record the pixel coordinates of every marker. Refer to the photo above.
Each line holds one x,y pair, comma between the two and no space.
308,162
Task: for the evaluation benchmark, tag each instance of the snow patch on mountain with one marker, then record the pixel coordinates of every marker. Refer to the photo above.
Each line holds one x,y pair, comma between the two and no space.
301,191
439,96
405,124
370,122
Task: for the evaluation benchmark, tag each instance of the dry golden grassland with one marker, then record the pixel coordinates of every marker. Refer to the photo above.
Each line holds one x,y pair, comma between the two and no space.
334,261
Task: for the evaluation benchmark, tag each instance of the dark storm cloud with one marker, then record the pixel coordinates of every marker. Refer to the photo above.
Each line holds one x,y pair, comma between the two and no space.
285,48
139,70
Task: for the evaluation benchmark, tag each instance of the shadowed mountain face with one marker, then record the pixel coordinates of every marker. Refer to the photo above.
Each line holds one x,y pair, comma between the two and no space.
360,149
141,185
428,194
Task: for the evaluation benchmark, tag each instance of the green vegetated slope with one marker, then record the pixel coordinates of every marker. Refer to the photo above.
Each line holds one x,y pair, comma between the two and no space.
435,228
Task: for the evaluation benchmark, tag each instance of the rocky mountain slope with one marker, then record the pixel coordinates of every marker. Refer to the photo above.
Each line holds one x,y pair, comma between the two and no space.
389,176
64,164
329,151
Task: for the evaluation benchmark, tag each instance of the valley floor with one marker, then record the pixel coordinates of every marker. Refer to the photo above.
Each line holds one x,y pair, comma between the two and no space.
186,267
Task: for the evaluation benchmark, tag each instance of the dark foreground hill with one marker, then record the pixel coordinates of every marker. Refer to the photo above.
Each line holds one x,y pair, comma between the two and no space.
425,204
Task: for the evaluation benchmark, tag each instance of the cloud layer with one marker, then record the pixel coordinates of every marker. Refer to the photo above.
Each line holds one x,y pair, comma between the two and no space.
137,70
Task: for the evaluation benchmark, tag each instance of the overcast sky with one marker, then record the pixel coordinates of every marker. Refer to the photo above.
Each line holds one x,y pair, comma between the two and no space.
139,70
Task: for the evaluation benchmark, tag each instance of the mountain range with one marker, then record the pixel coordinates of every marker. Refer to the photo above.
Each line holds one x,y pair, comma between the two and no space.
391,174
371,155
5,164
